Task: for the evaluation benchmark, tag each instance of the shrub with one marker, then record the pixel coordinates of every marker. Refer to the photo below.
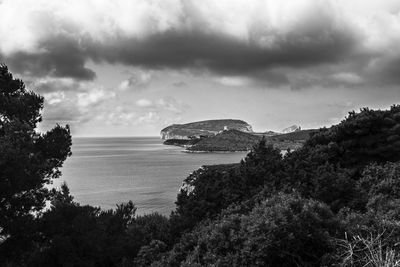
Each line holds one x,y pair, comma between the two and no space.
380,185
284,230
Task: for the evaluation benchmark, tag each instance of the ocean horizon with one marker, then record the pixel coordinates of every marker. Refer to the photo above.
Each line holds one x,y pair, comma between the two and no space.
106,171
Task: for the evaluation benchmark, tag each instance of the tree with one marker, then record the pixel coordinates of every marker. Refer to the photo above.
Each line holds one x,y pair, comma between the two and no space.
211,189
361,138
28,161
380,187
283,230
330,163
74,235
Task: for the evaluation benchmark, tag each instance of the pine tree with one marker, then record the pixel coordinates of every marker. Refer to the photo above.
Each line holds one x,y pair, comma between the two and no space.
28,161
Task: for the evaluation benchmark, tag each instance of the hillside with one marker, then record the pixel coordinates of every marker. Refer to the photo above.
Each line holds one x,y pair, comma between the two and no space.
231,140
203,128
300,135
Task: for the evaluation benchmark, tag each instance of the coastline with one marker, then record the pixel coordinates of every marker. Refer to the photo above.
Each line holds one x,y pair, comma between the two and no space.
215,151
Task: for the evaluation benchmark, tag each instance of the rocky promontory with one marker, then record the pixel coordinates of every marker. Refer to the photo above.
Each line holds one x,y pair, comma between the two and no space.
229,135
202,129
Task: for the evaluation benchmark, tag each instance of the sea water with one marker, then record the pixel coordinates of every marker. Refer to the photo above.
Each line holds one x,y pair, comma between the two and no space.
108,171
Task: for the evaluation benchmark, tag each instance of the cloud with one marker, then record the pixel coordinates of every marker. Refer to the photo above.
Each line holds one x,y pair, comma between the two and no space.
58,57
144,103
170,104
179,84
137,79
93,97
67,103
224,54
49,85
120,116
54,97
262,40
149,118
233,81
345,77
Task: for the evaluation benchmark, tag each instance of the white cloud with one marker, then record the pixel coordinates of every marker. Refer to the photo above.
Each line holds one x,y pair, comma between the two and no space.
233,80
138,78
26,23
101,20
144,103
350,78
93,97
148,118
54,97
170,104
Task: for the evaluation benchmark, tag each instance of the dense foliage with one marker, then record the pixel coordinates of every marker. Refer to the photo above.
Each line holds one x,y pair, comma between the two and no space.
28,161
333,202
352,167
229,140
284,230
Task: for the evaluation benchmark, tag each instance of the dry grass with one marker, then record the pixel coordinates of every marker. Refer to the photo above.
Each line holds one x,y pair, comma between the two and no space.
373,251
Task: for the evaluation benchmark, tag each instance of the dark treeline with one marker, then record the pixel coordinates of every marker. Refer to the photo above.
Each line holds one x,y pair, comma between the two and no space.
333,202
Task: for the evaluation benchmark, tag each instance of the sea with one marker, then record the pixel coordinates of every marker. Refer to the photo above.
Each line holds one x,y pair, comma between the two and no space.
108,171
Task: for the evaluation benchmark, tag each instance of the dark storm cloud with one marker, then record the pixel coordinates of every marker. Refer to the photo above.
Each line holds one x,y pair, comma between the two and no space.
218,53
223,54
306,45
58,57
384,71
196,48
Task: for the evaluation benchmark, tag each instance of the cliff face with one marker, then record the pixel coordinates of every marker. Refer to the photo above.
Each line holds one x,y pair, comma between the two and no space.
203,129
291,129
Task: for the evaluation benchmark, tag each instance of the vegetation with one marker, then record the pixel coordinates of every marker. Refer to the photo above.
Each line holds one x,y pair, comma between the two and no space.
234,140
230,140
284,230
333,202
180,142
28,161
300,135
202,128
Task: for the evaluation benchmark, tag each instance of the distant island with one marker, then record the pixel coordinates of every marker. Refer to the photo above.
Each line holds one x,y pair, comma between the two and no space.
201,129
229,135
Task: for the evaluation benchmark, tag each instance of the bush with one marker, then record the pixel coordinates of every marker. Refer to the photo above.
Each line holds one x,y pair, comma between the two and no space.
370,239
362,138
284,230
330,163
211,189
146,228
370,251
380,185
74,235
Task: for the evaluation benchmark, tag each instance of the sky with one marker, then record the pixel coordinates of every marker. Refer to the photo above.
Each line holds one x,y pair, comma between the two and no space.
131,68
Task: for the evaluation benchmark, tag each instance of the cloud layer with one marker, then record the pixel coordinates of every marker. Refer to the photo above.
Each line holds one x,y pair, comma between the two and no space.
261,39
60,49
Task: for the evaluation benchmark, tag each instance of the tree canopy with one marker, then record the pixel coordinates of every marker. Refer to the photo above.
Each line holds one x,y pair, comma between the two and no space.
28,159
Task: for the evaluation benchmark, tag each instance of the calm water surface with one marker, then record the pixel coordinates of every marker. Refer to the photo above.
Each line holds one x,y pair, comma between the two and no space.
106,171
